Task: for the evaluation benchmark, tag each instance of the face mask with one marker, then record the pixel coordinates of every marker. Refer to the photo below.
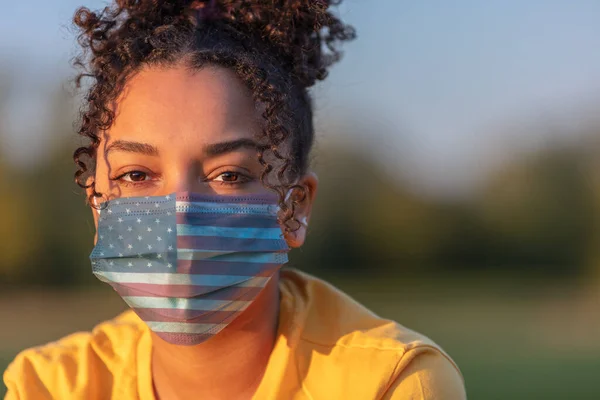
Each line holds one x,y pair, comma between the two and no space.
189,264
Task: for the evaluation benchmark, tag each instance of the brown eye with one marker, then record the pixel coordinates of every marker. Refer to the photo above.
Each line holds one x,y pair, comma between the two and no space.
135,176
228,177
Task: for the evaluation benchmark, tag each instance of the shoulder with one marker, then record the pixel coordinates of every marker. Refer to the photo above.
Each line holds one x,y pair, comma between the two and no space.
426,374
365,355
81,365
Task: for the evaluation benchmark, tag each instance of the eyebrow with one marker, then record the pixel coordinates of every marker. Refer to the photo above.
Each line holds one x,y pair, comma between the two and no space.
132,147
211,150
217,149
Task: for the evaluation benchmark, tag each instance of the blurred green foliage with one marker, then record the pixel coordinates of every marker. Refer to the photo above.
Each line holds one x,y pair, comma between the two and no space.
538,214
498,278
46,231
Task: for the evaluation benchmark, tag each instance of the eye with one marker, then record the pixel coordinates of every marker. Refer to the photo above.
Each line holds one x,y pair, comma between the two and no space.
229,177
134,176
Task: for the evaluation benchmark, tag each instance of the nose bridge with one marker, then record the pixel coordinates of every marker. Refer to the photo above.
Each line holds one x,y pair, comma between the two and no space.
184,176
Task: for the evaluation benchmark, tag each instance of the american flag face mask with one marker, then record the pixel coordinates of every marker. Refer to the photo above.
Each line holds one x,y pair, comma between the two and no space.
188,264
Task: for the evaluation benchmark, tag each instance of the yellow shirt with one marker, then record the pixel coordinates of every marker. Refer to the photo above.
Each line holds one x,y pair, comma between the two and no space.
328,347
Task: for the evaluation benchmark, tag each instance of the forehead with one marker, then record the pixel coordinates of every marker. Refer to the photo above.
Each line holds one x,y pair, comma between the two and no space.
180,104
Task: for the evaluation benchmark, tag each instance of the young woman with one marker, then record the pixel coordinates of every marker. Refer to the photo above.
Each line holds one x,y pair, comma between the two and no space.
200,126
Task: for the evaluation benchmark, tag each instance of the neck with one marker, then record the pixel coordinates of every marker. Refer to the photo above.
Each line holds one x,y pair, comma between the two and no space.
228,366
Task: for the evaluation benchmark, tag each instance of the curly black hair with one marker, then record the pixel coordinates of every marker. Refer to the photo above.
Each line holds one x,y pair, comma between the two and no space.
278,48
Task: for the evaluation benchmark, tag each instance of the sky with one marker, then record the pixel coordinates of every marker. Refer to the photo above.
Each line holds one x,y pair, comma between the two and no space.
439,88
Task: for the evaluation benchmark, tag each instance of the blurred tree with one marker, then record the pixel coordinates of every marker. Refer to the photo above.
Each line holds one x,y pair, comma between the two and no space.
540,213
19,237
590,148
364,220
537,212
17,233
45,234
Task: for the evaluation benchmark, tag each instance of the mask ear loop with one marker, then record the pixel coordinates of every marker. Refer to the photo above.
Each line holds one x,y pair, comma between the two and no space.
304,222
95,203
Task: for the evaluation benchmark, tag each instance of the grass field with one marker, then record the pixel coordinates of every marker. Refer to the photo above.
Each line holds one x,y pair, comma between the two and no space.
510,341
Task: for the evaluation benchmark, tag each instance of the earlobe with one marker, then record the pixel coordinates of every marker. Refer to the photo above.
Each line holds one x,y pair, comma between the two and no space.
296,237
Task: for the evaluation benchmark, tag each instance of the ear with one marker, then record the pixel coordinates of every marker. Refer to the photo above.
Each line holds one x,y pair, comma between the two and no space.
303,210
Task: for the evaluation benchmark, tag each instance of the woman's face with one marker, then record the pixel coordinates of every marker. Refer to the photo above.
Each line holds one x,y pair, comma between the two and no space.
179,130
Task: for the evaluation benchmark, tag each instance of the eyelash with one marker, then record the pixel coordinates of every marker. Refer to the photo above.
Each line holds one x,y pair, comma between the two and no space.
241,178
131,183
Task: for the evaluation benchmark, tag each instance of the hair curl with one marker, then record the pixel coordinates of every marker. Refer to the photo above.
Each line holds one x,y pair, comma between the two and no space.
278,48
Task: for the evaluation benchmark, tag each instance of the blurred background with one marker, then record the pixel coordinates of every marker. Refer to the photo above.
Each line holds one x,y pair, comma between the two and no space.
460,185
